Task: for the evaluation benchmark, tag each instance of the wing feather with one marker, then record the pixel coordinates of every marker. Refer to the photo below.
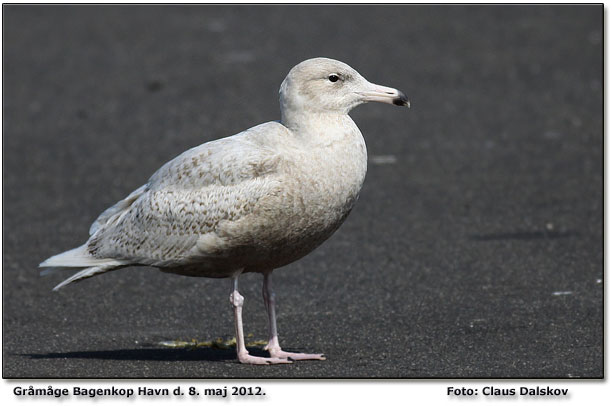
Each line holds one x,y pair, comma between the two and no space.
189,197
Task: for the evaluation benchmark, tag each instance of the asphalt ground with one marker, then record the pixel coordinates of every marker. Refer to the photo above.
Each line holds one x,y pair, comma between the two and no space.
475,250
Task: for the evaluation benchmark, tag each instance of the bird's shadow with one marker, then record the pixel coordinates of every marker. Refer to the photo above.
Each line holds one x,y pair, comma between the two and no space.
153,354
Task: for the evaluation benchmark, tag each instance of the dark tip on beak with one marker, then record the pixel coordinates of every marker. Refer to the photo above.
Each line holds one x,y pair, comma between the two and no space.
401,100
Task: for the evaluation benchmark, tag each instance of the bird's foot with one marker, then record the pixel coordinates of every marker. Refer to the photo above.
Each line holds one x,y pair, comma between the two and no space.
246,358
295,356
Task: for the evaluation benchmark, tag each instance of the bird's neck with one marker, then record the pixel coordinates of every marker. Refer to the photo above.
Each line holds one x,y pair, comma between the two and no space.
306,123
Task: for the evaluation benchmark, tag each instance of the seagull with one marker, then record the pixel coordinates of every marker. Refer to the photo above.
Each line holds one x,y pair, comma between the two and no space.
251,202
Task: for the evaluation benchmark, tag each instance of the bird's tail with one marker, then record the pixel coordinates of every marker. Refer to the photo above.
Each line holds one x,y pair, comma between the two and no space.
79,258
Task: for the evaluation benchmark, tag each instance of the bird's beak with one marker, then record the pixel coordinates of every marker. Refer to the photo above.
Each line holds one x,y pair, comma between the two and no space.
385,94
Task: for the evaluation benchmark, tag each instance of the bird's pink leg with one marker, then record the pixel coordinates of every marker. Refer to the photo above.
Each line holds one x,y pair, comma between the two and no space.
237,300
273,346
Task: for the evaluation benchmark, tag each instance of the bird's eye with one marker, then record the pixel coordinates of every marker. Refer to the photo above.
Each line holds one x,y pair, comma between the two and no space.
333,78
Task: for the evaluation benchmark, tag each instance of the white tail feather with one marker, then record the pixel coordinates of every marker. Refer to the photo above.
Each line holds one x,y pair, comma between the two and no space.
77,258
85,273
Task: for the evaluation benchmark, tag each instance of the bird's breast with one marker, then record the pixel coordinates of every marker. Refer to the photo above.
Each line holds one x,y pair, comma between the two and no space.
314,188
325,180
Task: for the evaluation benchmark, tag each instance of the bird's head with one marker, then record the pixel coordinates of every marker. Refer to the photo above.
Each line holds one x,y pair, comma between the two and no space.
322,85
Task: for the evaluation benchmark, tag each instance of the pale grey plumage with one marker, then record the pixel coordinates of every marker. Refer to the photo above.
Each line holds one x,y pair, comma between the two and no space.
243,202
251,202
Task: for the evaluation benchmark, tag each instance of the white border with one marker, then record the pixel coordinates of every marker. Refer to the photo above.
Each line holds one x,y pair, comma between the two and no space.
342,392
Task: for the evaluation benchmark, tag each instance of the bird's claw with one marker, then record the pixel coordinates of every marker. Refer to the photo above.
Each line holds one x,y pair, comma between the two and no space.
253,360
296,356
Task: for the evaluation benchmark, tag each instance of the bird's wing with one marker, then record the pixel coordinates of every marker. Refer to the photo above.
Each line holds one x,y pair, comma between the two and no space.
117,209
227,161
161,222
